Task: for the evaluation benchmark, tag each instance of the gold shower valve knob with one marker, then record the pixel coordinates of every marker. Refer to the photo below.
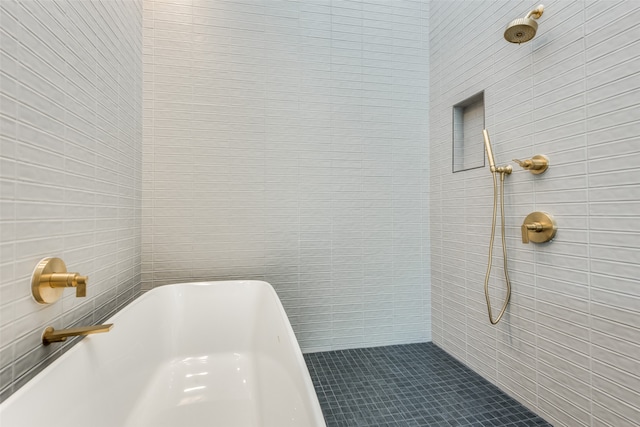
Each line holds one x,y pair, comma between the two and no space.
536,165
50,277
538,227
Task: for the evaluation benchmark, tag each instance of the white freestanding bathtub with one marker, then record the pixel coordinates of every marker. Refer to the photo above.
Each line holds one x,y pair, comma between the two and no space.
217,354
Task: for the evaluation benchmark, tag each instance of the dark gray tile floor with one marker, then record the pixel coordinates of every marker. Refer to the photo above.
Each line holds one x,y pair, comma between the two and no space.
408,385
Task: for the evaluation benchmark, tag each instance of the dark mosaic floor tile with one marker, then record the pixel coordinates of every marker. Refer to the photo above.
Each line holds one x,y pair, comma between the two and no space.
408,385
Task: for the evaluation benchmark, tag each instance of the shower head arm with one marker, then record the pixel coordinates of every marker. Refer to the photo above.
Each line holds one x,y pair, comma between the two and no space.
535,13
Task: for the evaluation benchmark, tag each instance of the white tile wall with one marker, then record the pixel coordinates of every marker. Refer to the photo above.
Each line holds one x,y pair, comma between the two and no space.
287,141
568,346
70,171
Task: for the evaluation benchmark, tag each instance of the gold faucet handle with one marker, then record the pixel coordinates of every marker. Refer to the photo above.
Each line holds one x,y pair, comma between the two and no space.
538,227
524,164
81,285
49,279
525,233
536,165
67,280
534,226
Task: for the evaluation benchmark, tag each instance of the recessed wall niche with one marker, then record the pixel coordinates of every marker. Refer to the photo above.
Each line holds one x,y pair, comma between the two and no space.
468,122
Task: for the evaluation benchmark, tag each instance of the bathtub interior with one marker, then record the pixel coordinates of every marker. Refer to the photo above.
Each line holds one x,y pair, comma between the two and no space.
223,352
242,340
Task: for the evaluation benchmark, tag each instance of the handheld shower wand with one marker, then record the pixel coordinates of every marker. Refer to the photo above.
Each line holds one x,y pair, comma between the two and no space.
487,146
507,169
503,171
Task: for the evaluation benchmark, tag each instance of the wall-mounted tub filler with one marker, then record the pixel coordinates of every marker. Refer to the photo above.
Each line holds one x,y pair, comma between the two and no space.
523,29
52,335
503,171
50,277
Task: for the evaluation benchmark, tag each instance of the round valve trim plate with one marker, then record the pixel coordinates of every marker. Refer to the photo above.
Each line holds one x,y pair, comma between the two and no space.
549,227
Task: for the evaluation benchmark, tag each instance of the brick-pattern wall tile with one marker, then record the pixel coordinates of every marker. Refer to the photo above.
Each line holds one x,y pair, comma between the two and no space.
287,141
567,347
70,166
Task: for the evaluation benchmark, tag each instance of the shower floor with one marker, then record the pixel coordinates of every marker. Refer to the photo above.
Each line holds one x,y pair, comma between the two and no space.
408,385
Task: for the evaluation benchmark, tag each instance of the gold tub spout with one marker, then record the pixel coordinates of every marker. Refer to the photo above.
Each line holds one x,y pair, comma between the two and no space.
51,335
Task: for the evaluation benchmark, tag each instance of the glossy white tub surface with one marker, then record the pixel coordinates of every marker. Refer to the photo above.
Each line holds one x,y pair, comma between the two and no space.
194,354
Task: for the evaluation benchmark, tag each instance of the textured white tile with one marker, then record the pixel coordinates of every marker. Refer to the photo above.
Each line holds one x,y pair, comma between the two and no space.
55,153
623,382
570,97
301,194
622,410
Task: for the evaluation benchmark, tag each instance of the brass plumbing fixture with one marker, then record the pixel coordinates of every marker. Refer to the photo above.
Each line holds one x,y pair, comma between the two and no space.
507,169
51,335
49,279
503,171
536,165
538,227
523,29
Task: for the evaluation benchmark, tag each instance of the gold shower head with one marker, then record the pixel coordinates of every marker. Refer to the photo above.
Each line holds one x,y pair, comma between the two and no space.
523,29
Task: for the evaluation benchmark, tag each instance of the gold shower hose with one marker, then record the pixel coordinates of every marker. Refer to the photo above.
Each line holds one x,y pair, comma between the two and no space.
504,247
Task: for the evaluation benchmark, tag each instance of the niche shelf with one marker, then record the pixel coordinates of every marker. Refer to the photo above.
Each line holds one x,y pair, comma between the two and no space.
468,122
